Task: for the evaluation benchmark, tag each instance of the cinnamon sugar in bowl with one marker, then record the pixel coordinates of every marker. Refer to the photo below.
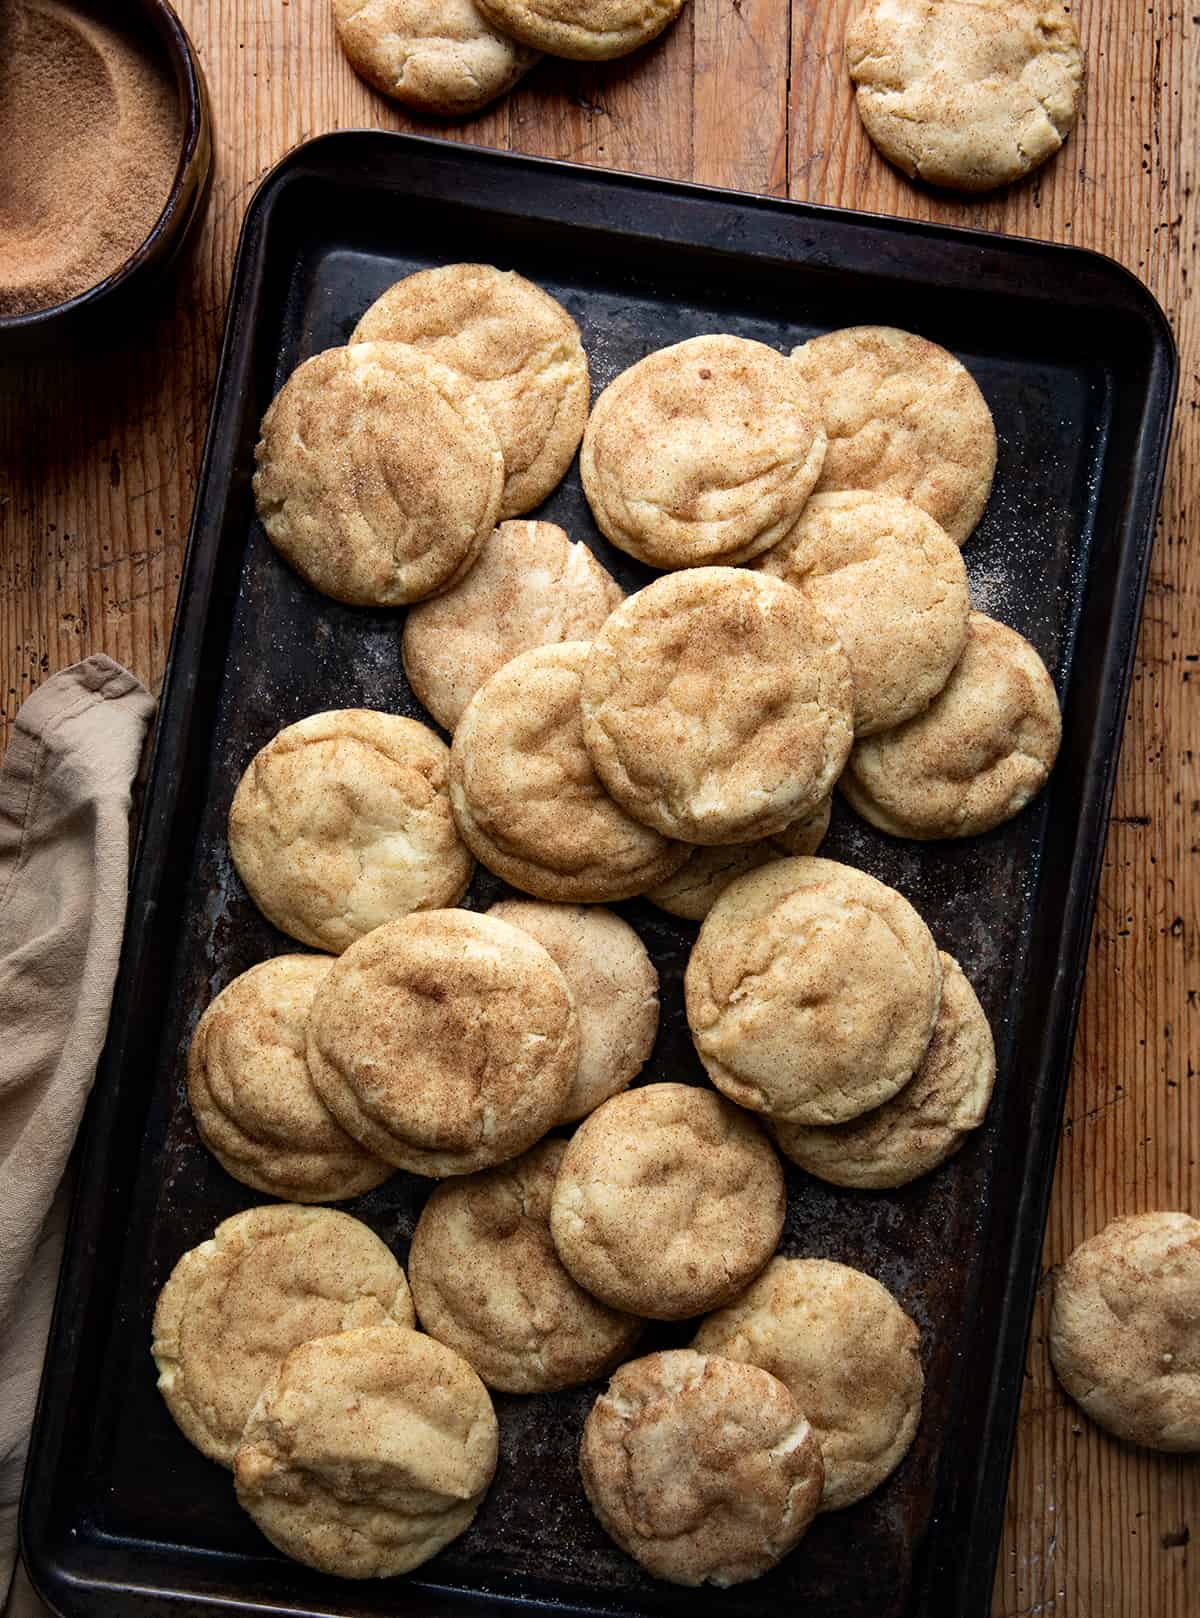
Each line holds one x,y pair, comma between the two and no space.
107,149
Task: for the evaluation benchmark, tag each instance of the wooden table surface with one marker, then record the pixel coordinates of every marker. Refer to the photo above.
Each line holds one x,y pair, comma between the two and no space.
98,468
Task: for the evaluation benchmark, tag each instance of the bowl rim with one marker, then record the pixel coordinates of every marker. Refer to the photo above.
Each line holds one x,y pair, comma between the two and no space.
181,54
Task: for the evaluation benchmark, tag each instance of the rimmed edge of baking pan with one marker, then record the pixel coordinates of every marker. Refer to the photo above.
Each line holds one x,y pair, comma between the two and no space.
61,1562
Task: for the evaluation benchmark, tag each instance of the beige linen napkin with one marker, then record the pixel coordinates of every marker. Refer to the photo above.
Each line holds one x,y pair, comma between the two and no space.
64,864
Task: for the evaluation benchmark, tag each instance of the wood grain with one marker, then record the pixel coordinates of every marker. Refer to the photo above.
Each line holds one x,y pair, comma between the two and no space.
98,467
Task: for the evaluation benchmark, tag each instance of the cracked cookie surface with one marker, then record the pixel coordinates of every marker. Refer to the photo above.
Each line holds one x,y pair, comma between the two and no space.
702,1469
530,587
702,453
927,1121
235,1306
977,755
667,1202
1125,1329
812,991
379,474
968,94
517,350
527,799
903,417
252,1096
368,1453
615,986
893,584
445,1042
435,55
487,1281
583,30
696,887
342,822
848,1354
805,836
717,705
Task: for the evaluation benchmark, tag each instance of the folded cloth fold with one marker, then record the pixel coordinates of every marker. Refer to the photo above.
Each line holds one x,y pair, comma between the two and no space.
65,796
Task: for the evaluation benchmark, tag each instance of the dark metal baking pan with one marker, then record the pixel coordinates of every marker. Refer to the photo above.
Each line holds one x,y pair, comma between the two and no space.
121,1516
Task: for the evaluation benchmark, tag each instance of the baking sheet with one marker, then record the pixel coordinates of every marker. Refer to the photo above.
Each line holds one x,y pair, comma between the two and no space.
121,1515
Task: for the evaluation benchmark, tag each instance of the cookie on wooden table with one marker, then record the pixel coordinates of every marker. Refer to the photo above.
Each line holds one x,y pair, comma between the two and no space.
583,30
704,1470
848,1354
967,94
530,587
615,987
903,417
668,1201
445,1042
1125,1329
235,1306
253,1099
368,1452
702,453
977,755
893,584
379,474
487,1281
342,822
432,55
927,1121
717,705
527,800
812,991
517,349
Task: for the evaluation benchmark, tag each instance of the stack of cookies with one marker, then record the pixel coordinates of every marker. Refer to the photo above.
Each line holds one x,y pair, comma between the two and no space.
817,997
454,56
288,1351
816,626
452,1045
811,627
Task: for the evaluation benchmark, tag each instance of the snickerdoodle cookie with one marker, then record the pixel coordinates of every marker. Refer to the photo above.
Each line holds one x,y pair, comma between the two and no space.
704,1470
444,1041
702,452
969,94
893,584
904,417
1125,1329
615,987
251,1095
927,1121
368,1452
668,1201
525,795
530,587
435,55
805,836
379,474
717,705
235,1306
487,1281
518,350
812,991
848,1354
978,753
696,887
583,30
342,821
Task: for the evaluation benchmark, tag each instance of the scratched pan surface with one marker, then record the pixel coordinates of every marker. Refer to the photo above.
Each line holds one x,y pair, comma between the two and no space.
121,1514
